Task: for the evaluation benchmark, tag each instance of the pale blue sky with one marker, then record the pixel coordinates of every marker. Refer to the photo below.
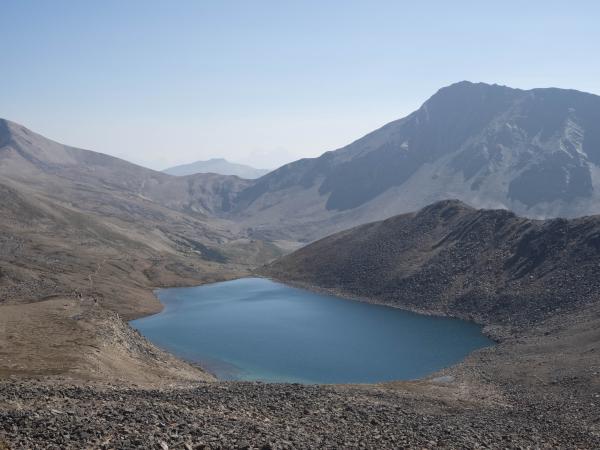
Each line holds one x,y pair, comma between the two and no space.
266,82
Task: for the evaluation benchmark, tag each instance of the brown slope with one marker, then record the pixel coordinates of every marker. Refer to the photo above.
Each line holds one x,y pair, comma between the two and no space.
49,249
85,237
80,190
451,259
67,278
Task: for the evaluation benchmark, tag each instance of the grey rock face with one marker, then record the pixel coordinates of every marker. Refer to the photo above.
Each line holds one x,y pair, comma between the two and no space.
448,258
535,152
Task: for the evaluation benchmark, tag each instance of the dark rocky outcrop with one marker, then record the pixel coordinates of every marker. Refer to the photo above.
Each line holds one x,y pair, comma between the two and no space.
452,259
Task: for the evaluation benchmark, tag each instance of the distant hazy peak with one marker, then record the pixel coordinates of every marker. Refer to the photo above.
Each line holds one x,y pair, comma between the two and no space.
216,165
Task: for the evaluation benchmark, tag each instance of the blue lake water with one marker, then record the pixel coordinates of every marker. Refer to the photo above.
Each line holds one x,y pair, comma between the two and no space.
256,329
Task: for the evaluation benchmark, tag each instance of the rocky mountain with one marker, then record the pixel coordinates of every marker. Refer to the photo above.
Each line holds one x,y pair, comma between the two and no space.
452,259
219,166
535,152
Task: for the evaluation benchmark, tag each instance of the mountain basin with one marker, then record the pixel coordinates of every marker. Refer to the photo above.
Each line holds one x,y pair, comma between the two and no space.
257,329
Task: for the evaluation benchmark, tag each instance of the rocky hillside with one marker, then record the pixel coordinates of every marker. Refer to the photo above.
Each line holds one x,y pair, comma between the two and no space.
534,152
448,258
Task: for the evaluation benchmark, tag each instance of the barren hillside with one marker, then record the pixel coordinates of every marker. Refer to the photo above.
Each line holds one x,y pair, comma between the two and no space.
452,259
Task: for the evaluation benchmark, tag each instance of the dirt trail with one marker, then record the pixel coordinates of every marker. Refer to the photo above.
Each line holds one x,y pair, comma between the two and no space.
95,273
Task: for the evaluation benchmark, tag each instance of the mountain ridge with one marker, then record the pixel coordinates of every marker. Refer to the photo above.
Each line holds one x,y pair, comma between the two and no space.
535,152
452,259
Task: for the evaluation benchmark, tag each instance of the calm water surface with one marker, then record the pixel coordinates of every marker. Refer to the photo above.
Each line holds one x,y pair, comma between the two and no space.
256,329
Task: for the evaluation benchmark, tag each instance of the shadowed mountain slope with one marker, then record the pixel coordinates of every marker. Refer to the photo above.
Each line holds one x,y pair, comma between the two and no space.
535,152
456,260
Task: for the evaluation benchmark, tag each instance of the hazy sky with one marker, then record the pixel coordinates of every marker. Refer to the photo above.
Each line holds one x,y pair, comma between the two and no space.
267,82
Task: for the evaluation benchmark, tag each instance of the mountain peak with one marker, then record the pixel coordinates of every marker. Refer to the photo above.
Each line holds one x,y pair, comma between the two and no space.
216,165
470,92
535,152
477,85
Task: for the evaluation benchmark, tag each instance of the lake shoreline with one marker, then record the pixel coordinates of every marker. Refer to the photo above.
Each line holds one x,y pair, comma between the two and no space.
520,387
497,333
179,333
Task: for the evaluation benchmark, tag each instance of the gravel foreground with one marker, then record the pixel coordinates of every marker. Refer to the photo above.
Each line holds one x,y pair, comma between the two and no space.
57,415
535,389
